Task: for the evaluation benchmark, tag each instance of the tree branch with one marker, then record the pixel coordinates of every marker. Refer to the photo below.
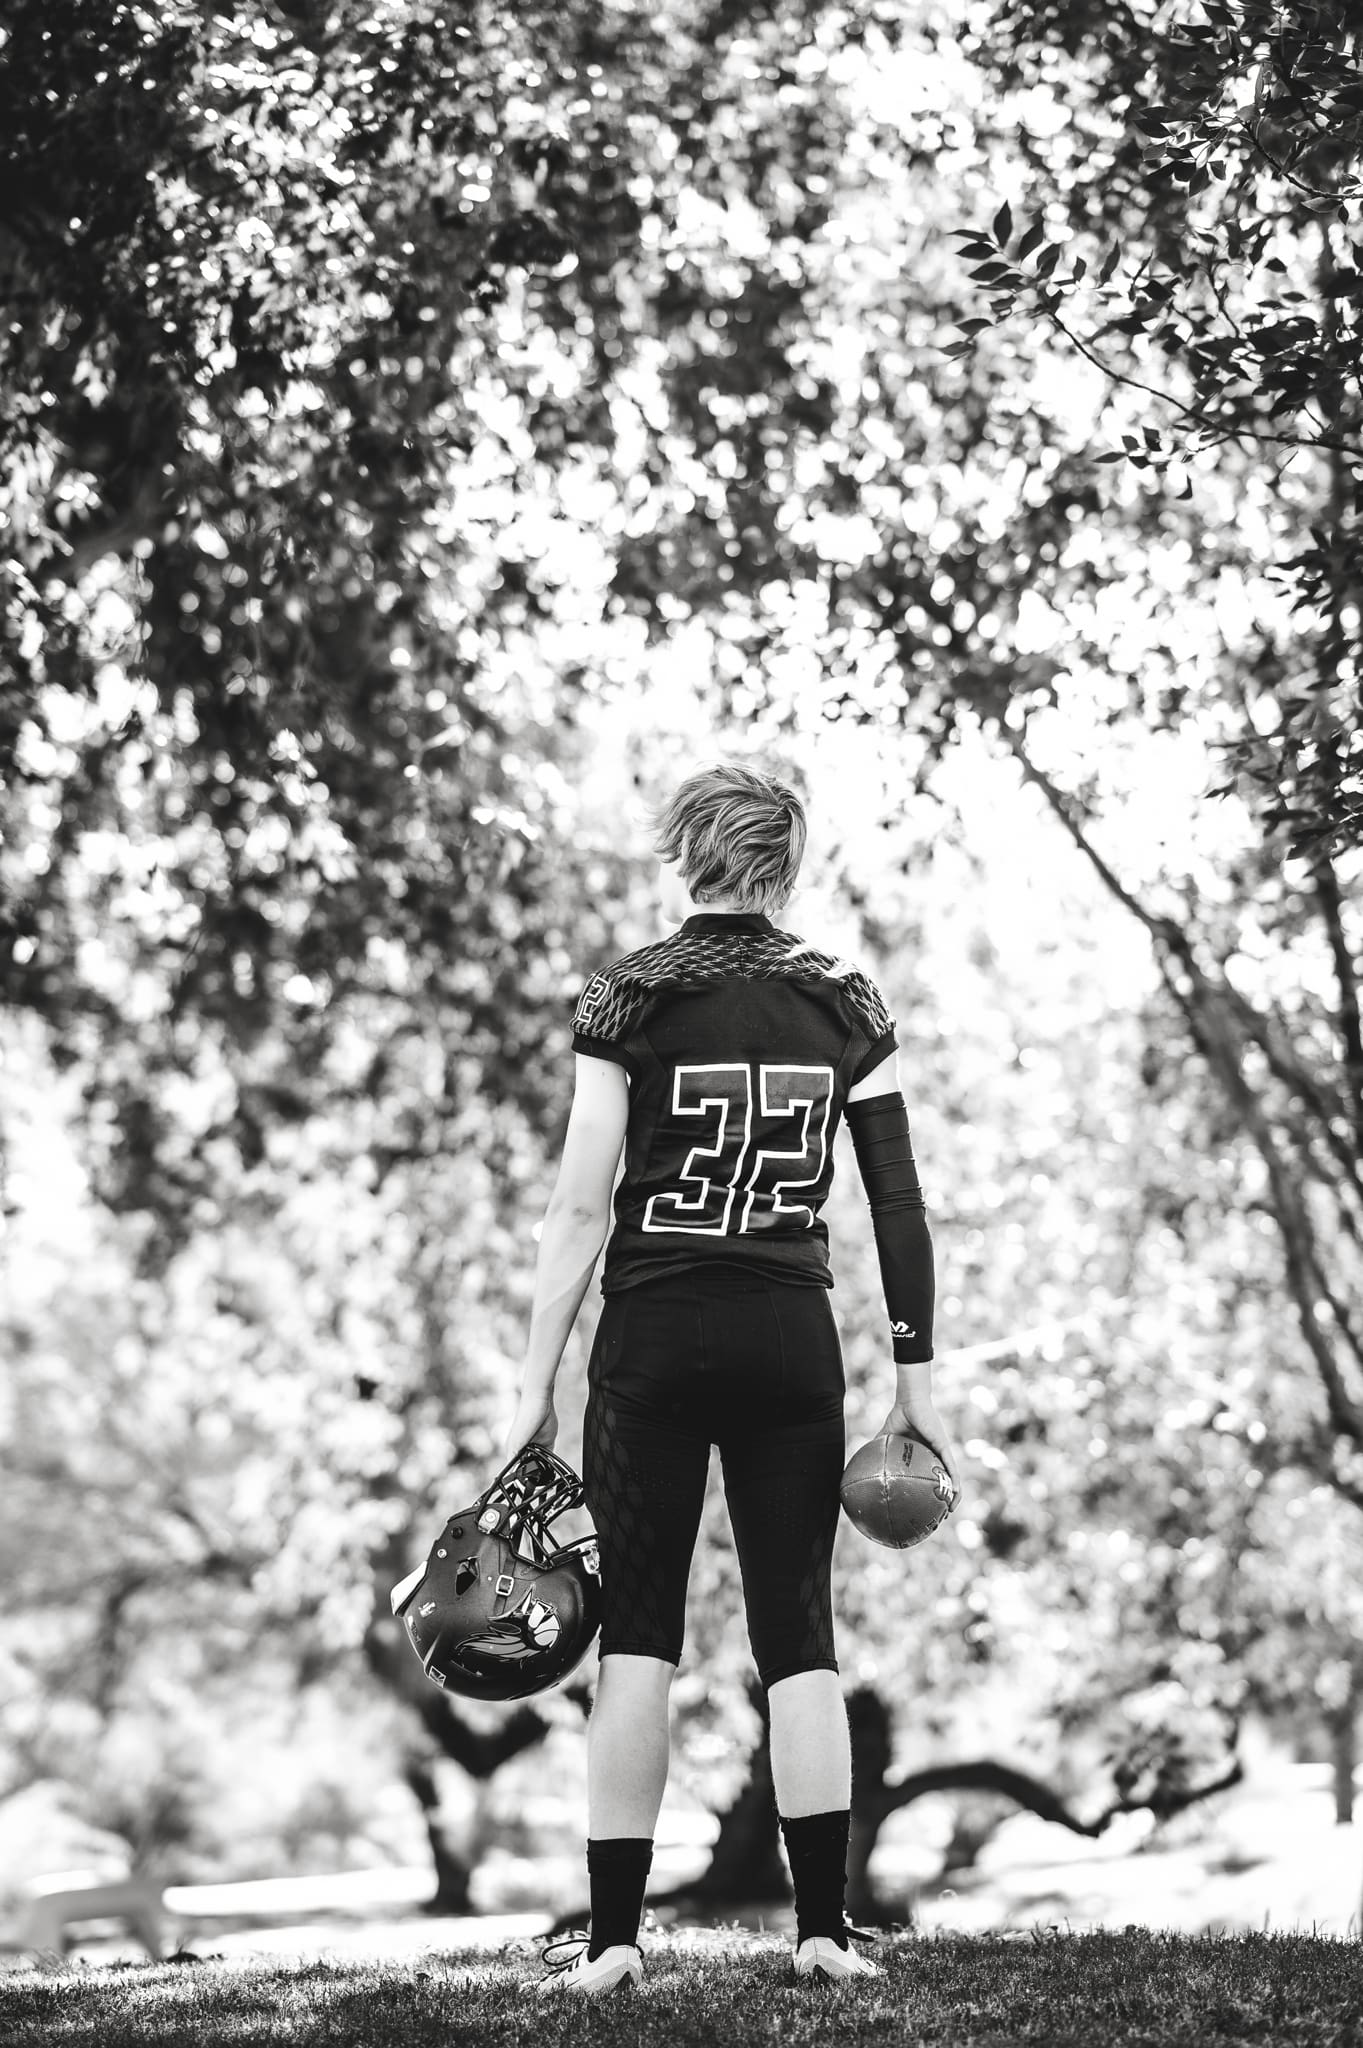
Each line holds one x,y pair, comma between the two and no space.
984,1775
1336,194
1209,1012
1163,1804
1350,1025
1193,415
474,1751
1207,1020
1263,1030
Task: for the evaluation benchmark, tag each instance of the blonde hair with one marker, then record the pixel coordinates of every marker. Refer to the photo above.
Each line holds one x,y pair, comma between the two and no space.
734,832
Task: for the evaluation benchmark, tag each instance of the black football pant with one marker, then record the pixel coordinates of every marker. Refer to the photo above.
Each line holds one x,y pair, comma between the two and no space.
752,1365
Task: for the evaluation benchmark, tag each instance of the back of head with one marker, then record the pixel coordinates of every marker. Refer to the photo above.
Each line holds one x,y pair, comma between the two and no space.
736,835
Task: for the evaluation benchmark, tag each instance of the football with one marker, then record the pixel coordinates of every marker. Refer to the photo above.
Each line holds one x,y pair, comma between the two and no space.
897,1491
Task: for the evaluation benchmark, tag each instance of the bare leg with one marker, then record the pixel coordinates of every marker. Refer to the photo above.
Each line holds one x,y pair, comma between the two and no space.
628,1743
811,1749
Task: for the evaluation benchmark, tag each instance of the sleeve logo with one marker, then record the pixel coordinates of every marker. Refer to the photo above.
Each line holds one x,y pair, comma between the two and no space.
593,995
901,1330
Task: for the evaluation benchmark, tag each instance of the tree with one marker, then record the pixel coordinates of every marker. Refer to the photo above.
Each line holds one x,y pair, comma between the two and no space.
302,577
208,1463
301,305
1214,206
1182,228
1222,166
258,617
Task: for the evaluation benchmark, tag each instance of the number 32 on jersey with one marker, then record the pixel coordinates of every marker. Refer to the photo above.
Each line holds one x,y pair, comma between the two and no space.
749,1152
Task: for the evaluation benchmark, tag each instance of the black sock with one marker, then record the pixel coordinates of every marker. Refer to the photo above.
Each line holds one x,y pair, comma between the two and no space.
617,1870
816,1845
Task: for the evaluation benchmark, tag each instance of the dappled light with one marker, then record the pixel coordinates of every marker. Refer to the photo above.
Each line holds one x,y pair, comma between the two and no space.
426,433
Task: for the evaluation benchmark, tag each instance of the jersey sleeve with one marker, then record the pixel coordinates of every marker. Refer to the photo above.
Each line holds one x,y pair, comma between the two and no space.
873,1028
602,1018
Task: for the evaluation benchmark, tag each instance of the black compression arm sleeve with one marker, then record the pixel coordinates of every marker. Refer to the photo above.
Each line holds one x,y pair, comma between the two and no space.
880,1138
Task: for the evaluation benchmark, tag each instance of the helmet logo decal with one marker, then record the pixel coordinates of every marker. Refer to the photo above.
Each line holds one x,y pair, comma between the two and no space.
542,1624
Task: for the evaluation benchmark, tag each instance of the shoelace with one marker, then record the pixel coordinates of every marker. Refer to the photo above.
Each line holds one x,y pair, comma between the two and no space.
577,1939
866,1934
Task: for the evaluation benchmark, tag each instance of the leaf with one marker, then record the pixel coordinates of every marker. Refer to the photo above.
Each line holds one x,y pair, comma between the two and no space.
1003,225
1035,235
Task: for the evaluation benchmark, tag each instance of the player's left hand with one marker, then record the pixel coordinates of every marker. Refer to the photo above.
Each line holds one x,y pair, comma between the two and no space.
535,1422
920,1419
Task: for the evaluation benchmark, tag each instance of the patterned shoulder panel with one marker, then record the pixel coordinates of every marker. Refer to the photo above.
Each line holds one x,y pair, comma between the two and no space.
862,993
613,1000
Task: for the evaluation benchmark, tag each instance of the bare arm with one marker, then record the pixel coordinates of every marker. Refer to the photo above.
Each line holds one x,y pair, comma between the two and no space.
571,1238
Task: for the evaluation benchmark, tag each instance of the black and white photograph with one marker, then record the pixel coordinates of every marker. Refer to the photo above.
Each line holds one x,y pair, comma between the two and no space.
681,1023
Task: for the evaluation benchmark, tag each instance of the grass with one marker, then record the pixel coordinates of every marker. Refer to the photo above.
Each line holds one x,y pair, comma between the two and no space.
712,1988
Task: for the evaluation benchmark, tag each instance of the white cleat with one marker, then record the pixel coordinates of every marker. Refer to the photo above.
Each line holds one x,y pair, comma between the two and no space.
622,1964
820,1957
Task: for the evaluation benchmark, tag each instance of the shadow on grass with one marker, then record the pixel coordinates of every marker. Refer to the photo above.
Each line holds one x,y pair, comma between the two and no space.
708,1990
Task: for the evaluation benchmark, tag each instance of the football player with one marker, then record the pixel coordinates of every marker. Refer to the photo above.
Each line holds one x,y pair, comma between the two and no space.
722,1060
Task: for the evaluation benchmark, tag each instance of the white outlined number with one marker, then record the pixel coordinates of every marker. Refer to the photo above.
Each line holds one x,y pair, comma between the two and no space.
726,1165
722,1096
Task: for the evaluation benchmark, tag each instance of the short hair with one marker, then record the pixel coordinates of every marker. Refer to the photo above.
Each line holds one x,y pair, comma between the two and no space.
734,832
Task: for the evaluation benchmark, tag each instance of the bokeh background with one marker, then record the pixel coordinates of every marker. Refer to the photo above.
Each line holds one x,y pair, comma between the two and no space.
426,431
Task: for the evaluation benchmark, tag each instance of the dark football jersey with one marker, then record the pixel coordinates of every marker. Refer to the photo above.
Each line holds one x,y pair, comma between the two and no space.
740,1042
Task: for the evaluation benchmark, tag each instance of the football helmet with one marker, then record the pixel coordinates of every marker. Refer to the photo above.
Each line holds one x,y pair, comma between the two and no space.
499,1610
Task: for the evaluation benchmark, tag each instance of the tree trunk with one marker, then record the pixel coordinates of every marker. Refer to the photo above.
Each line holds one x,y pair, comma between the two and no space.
868,1720
1344,1752
479,1751
453,1872
746,1865
874,1799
